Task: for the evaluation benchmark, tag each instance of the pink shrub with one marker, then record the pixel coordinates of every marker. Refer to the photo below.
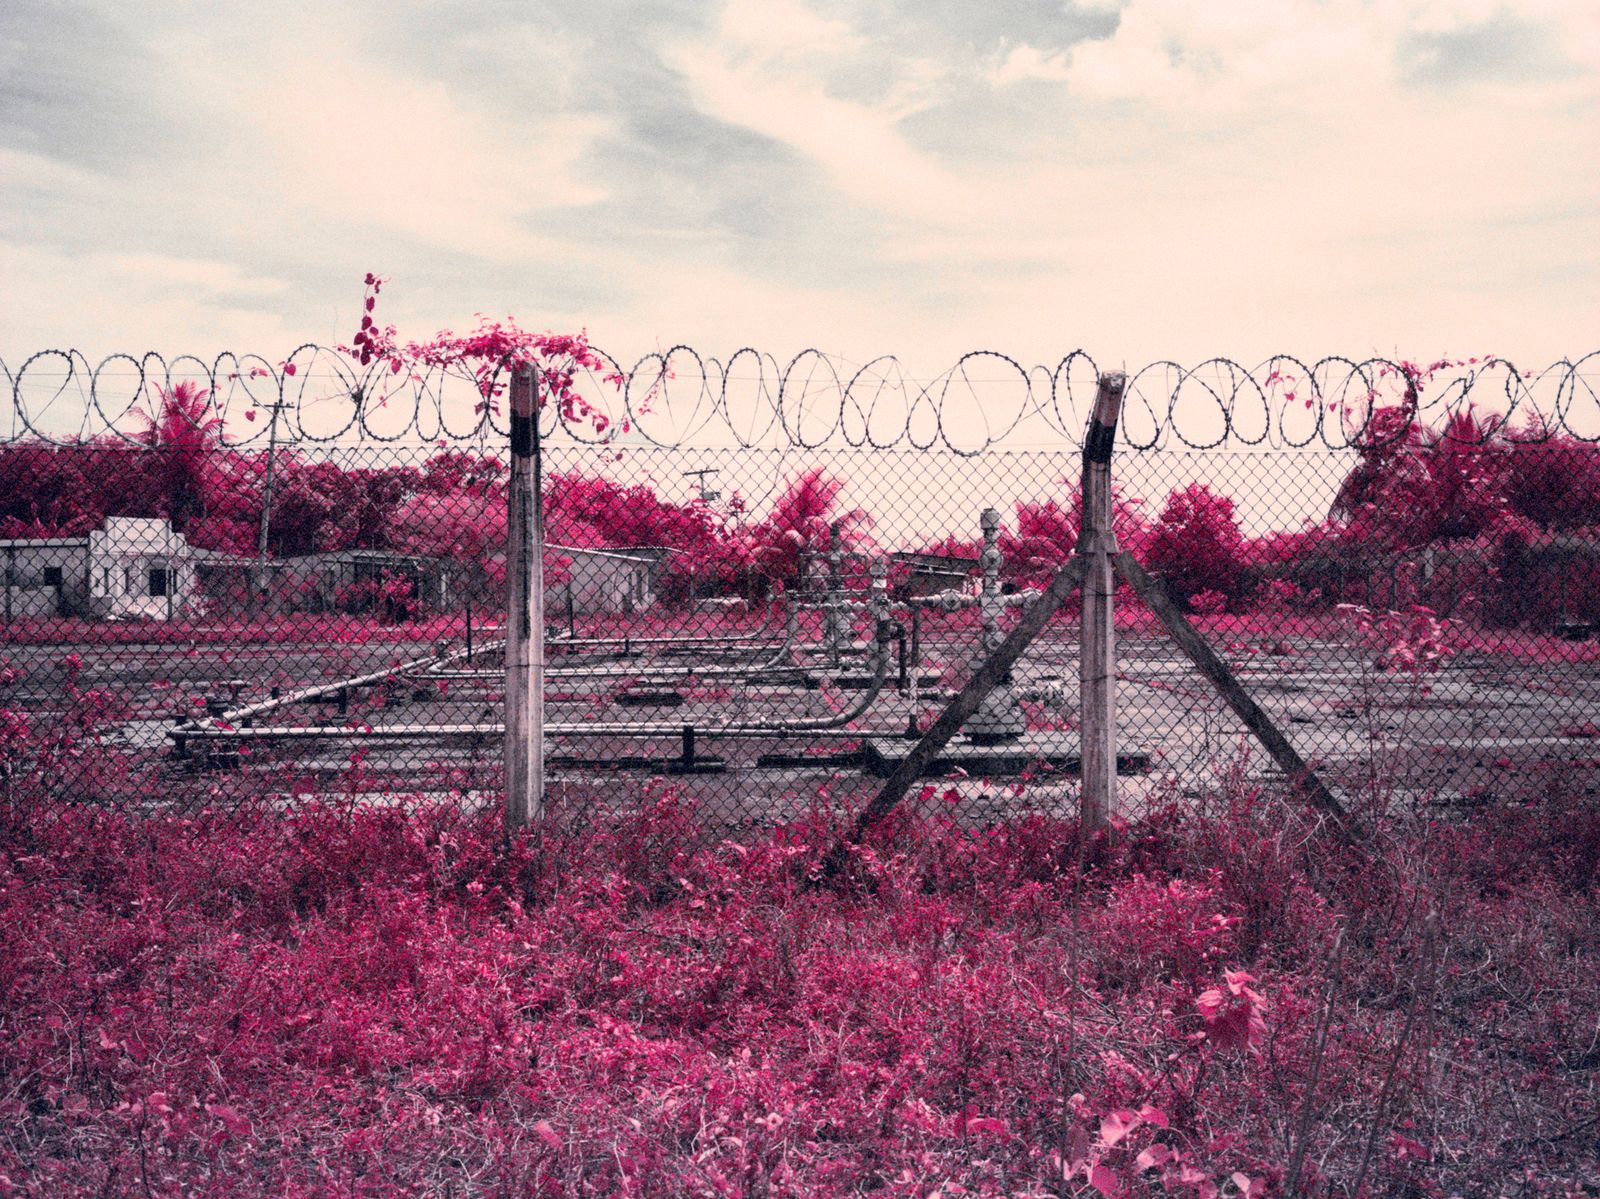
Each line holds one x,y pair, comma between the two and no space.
1196,545
375,1003
1553,481
1046,533
798,531
391,597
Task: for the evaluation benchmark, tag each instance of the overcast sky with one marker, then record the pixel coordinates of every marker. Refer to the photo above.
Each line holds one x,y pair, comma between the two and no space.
1143,179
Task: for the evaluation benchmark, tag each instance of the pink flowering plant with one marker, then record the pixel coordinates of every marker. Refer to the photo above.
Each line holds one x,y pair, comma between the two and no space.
488,355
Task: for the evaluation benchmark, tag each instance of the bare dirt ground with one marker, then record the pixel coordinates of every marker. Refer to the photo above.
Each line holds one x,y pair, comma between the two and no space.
1480,727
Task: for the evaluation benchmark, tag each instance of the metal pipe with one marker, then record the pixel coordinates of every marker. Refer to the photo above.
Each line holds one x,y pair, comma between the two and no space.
912,732
324,732
877,603
587,728
601,641
301,695
663,673
773,662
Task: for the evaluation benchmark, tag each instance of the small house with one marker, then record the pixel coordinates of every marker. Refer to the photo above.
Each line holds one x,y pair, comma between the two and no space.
581,579
334,578
132,568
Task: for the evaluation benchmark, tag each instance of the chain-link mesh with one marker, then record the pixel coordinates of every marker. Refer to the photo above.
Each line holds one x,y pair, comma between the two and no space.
198,621
1435,669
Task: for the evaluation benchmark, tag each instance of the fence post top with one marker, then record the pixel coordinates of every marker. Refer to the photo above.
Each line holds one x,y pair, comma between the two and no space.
1108,397
1102,432
524,390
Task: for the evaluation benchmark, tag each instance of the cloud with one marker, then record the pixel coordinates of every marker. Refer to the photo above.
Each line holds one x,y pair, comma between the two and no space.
1222,59
39,175
198,275
787,30
774,80
108,302
1502,48
1025,63
373,147
1149,177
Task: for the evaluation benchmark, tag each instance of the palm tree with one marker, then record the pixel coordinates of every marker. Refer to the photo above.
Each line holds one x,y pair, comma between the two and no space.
184,434
799,525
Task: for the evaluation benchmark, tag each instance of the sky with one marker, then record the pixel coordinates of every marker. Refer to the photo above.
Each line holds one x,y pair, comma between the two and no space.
1143,179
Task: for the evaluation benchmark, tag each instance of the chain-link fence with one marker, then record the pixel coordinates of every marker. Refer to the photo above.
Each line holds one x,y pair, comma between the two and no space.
242,587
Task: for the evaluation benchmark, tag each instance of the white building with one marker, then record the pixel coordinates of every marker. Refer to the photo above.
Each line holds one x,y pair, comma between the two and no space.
134,567
601,580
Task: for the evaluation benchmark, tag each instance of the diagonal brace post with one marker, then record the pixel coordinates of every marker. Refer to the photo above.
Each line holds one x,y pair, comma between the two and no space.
1301,777
1034,617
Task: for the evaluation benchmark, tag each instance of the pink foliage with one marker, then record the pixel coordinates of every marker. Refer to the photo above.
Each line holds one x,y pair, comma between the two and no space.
798,529
489,354
1235,1014
1415,641
1415,484
374,1003
1196,545
1047,533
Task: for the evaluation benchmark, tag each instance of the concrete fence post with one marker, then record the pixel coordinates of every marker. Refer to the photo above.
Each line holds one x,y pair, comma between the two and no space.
1097,656
524,746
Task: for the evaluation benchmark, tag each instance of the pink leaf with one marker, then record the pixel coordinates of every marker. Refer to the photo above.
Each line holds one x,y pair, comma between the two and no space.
1156,1155
1117,1125
547,1133
236,1123
1237,980
987,1126
1105,1180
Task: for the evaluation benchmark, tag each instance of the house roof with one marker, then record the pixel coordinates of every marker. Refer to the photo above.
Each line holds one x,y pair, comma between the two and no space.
935,563
359,555
635,555
224,558
40,542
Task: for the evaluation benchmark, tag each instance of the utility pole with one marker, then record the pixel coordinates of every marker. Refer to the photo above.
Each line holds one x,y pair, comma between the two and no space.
266,499
707,494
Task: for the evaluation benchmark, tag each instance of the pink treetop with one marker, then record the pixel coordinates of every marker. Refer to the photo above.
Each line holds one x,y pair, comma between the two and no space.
800,523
